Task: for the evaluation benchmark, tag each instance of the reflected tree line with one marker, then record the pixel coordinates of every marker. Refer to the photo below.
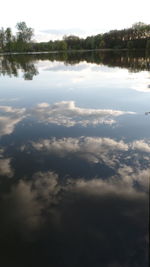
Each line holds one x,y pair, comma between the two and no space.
10,66
135,37
133,61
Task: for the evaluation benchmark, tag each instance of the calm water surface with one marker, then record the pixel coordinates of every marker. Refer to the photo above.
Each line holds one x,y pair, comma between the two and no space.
74,160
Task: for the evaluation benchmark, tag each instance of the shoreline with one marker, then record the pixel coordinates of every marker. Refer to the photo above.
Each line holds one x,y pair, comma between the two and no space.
66,51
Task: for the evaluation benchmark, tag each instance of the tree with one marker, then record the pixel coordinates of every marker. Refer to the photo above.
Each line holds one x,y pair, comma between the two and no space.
72,41
8,35
24,33
102,44
138,25
24,36
60,45
8,38
2,38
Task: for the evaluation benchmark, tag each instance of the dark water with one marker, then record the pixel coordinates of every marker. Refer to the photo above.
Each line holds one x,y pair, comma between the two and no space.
74,160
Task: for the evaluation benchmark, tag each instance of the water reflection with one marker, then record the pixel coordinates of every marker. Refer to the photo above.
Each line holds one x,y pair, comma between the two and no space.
68,114
133,61
61,113
10,65
5,167
74,177
9,118
79,223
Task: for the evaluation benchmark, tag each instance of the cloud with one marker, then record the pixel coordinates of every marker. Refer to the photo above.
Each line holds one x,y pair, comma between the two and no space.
57,34
46,186
26,209
44,210
9,118
123,182
141,145
5,167
125,159
60,147
7,124
29,198
66,113
129,177
92,149
64,31
44,192
11,110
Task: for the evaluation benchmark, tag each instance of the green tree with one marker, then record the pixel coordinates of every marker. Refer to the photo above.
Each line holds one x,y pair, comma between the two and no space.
72,41
60,45
24,36
9,39
138,25
24,33
8,35
2,39
102,44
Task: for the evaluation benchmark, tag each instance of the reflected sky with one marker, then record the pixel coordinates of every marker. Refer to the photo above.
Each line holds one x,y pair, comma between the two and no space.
74,160
91,80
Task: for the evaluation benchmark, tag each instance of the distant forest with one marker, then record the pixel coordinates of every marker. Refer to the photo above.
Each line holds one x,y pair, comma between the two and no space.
136,37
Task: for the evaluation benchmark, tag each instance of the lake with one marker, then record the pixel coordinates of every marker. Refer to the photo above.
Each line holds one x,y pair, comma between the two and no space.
74,159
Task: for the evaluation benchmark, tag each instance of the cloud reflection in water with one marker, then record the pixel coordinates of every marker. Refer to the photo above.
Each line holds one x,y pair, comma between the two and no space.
66,113
104,218
74,221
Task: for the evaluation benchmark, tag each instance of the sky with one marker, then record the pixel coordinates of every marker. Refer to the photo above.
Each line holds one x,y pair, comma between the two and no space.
54,19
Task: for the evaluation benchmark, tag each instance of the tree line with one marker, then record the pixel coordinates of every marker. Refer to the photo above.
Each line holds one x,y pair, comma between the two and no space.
135,37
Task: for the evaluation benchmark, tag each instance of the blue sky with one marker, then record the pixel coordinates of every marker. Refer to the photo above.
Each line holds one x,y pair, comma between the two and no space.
52,19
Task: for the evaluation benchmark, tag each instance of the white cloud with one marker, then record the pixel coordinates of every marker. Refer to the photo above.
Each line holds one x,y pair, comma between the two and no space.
101,187
66,113
7,124
29,198
5,167
120,185
43,105
98,150
60,147
43,192
141,145
9,118
26,208
92,149
129,176
42,209
12,110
